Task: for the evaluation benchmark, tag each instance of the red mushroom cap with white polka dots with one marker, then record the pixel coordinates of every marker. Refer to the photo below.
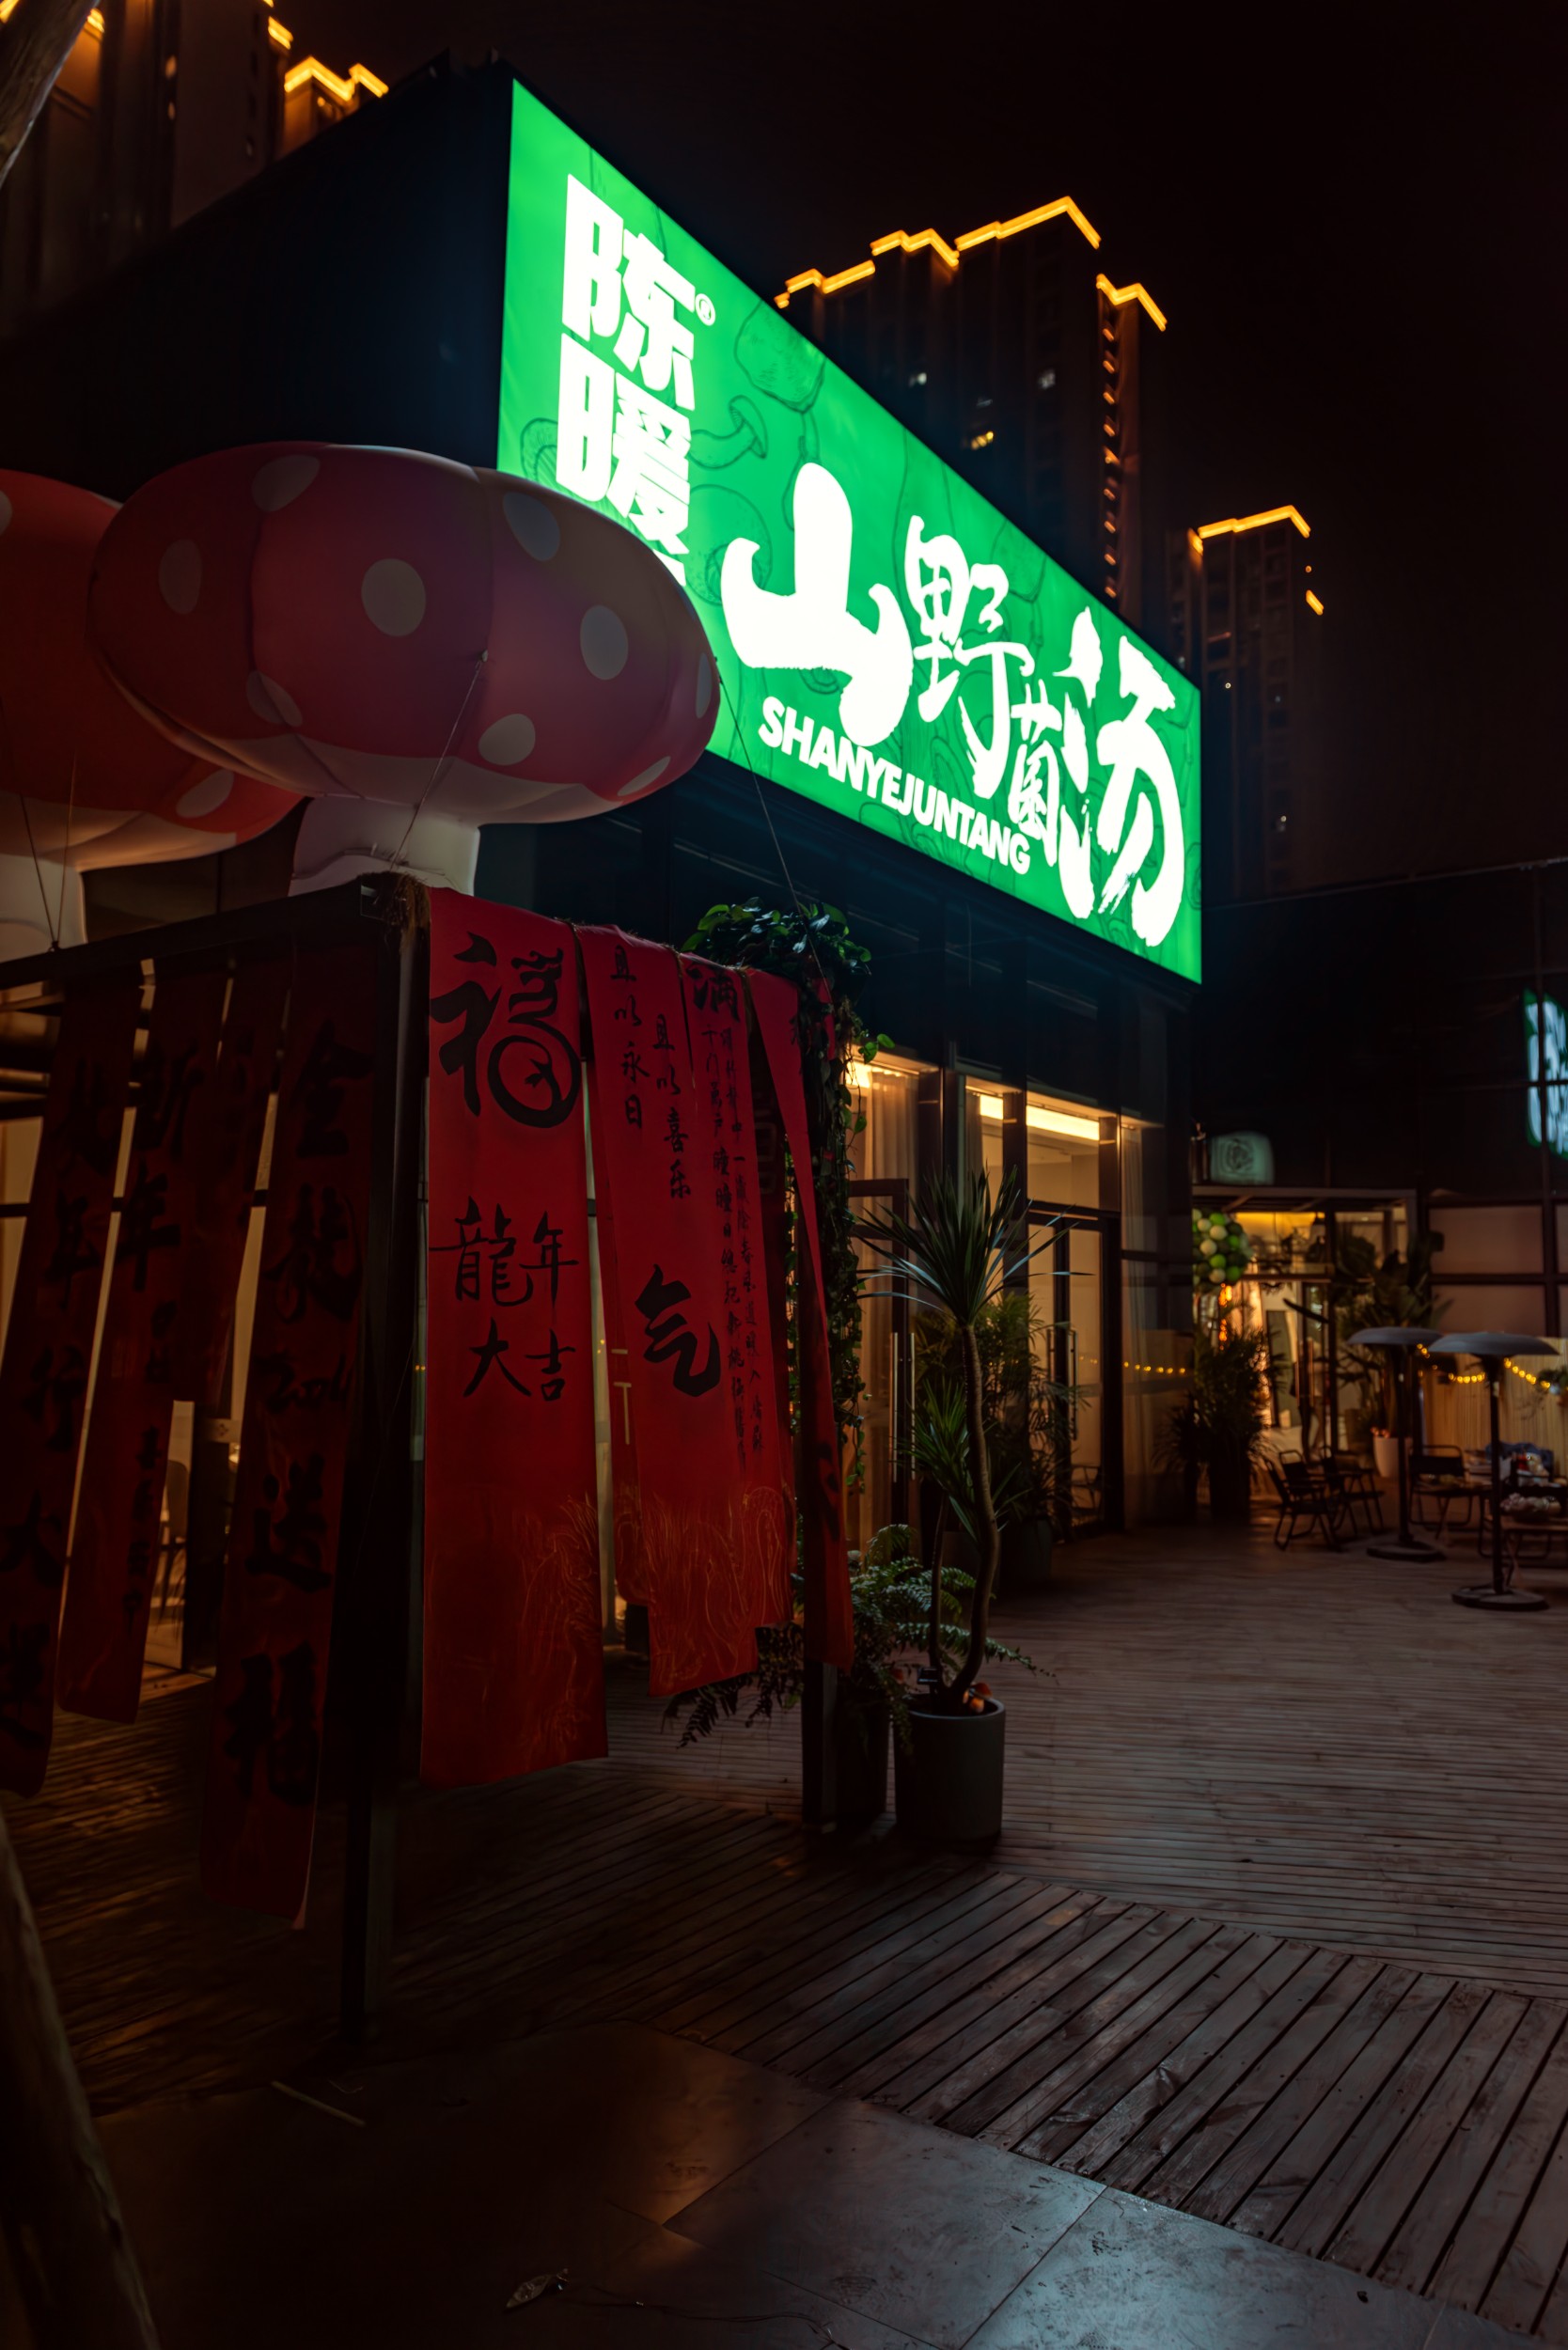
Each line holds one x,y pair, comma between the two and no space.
82,775
398,628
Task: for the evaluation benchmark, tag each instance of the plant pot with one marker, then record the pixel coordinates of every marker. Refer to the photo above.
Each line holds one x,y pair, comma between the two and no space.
949,1778
1385,1457
1230,1487
860,1735
1025,1556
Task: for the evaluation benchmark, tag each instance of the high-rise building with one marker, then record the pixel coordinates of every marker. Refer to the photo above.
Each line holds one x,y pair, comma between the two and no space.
162,107
1013,356
1244,622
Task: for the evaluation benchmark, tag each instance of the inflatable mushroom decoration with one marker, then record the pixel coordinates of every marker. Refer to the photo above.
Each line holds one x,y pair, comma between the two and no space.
418,647
85,781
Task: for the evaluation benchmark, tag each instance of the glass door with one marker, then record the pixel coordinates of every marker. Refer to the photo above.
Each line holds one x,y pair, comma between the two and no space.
881,1495
1066,1290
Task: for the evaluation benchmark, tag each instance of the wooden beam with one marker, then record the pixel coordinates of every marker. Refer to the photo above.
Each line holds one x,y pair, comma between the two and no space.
70,2254
34,46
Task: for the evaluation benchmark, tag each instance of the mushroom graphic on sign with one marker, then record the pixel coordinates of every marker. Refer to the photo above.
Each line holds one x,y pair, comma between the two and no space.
417,646
85,781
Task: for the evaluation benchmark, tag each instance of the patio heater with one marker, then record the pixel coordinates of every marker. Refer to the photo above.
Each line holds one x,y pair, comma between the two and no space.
1401,1345
1492,1349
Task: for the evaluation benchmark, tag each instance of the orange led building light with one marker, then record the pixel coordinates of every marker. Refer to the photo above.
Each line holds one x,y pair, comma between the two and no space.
901,242
1315,602
1063,207
312,69
1256,522
280,35
1120,295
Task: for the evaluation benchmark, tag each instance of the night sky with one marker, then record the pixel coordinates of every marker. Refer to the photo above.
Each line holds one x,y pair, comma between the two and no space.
1350,215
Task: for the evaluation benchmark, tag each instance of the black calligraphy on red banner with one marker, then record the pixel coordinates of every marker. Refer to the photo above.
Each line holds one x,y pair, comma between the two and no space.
264,1759
829,1624
44,1371
226,1154
513,1650
710,1517
718,1026
114,1547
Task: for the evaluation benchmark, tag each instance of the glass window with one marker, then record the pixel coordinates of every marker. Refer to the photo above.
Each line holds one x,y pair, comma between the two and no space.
1484,1307
1154,1382
885,1154
1488,1240
1063,1152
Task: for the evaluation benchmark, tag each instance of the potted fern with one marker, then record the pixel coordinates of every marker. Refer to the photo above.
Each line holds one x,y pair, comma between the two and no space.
957,1253
889,1596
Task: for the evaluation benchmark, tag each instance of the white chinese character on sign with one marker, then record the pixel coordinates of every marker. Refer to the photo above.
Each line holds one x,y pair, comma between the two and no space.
938,582
651,483
812,627
618,439
1137,756
652,338
591,288
585,433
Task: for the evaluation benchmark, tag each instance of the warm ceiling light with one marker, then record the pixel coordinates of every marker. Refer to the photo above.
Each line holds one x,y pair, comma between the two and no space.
1315,602
1042,1121
1061,1122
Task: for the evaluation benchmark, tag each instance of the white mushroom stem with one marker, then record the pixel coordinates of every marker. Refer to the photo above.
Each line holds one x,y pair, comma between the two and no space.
340,837
39,903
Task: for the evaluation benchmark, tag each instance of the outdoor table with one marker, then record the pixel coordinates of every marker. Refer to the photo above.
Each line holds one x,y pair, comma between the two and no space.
1493,1349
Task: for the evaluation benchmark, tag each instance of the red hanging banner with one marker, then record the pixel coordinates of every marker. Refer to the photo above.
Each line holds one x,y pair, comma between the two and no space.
829,1620
44,1373
264,1758
229,1150
726,1160
712,1538
513,1651
113,1550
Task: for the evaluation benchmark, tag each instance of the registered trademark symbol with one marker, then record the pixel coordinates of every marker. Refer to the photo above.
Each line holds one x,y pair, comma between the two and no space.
704,309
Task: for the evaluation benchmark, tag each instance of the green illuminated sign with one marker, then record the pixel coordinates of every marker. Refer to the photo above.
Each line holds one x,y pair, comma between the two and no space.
887,643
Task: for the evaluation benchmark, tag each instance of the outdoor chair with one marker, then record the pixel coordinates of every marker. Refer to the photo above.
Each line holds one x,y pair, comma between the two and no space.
1360,1494
1304,1497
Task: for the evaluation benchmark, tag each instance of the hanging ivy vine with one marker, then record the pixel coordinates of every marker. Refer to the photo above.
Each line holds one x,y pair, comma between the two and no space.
808,945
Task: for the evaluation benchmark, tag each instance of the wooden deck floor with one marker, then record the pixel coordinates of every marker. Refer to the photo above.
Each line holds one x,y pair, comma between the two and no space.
1153,2016
1312,1745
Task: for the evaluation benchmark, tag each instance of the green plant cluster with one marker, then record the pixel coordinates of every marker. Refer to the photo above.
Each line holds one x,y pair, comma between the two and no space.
1219,1426
811,946
890,1599
1369,1292
1221,1251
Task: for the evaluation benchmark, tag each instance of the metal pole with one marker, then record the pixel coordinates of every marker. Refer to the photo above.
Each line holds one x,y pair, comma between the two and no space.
1493,1381
379,1563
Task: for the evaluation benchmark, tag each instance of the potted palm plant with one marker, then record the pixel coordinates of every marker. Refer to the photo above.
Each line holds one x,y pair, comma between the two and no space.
1028,1419
957,1252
